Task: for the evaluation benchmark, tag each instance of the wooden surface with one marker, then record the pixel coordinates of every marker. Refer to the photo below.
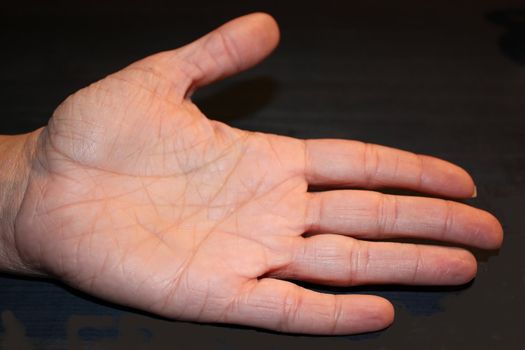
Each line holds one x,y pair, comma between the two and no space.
439,77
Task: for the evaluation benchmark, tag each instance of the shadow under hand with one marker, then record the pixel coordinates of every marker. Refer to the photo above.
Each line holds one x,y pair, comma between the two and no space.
512,42
237,99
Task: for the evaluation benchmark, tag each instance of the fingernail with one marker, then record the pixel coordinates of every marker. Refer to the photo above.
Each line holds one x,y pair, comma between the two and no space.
475,194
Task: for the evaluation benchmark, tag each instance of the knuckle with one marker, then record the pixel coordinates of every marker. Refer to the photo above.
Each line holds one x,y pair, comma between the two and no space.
370,162
387,212
418,266
359,261
448,219
290,305
420,171
336,313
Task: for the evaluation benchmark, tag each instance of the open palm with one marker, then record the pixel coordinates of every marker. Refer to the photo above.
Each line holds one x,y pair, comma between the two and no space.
135,196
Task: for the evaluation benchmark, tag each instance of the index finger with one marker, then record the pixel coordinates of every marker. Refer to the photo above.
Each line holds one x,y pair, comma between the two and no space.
331,162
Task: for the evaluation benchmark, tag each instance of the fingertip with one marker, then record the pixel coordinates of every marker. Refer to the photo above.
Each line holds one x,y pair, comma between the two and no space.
446,178
376,313
388,314
486,230
471,191
494,239
258,38
498,239
229,49
448,266
269,26
462,184
384,314
468,267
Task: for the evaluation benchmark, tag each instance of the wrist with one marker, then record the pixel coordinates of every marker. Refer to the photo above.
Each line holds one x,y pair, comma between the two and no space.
16,157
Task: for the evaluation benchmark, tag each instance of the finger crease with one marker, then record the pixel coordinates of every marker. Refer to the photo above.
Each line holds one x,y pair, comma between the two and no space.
418,266
449,220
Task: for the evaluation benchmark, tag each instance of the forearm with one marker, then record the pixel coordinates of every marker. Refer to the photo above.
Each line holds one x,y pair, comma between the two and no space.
16,154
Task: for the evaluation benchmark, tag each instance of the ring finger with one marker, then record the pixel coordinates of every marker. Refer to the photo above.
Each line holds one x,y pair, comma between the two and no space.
338,260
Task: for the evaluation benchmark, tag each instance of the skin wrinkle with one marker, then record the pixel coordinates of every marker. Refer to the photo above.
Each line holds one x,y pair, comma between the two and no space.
286,193
15,240
420,173
365,266
188,260
204,299
248,188
449,220
221,155
389,211
215,37
165,281
231,50
159,243
179,222
318,222
418,266
150,199
264,249
240,298
183,269
107,170
152,233
337,313
476,234
134,155
160,81
73,137
228,175
396,167
219,37
118,128
232,171
270,143
122,258
76,254
266,305
308,221
88,201
306,159
101,270
381,214
196,72
290,305
393,215
209,232
165,153
73,129
73,121
193,119
354,261
370,163
90,235
288,269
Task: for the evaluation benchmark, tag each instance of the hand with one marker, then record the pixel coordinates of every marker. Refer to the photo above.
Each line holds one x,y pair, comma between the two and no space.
136,197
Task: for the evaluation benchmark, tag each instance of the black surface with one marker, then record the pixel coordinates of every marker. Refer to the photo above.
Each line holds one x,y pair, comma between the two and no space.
438,77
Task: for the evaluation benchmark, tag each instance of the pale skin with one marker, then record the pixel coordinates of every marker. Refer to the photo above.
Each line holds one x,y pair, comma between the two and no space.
131,194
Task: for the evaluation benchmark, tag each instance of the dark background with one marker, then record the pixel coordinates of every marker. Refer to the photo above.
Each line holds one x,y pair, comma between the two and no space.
445,78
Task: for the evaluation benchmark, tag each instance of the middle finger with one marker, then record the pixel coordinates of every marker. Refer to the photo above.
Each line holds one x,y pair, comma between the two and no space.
374,215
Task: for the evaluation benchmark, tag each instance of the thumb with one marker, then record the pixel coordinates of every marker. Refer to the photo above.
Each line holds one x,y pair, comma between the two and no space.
229,49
